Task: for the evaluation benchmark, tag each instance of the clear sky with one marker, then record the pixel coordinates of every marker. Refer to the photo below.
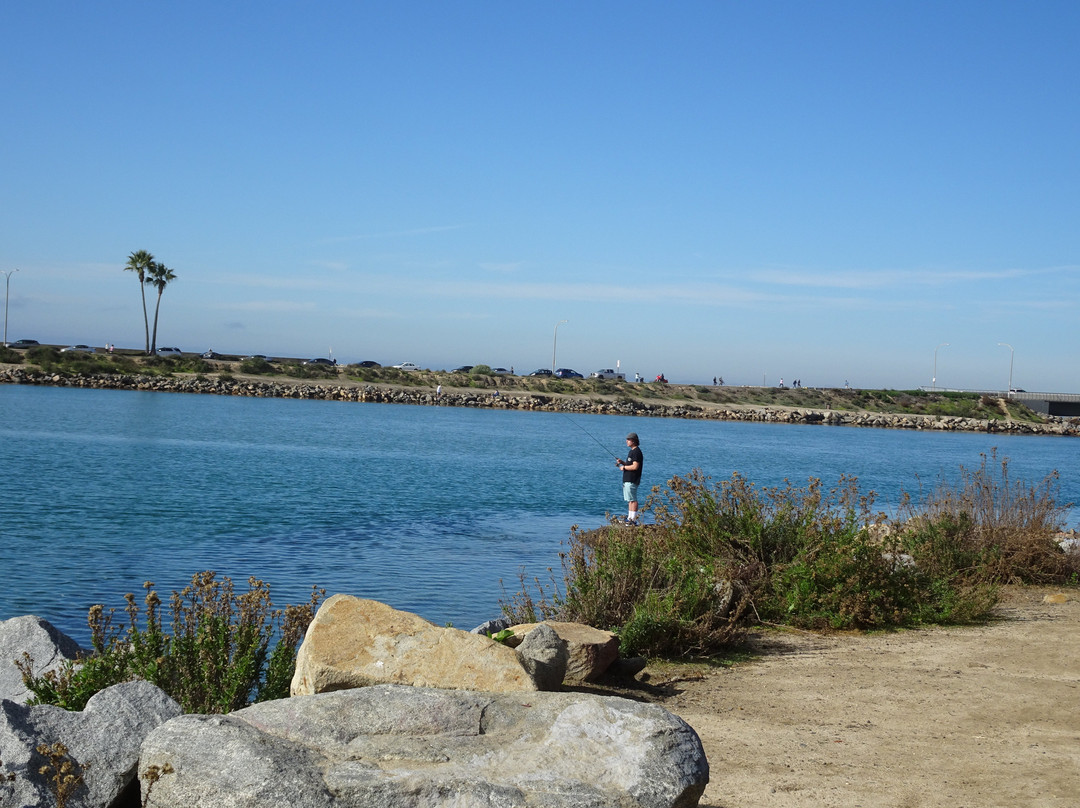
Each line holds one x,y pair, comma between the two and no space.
823,191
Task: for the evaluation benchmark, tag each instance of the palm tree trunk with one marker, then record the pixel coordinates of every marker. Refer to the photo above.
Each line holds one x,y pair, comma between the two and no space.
146,320
157,307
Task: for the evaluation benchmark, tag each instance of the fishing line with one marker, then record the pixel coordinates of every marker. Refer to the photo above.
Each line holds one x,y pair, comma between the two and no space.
590,434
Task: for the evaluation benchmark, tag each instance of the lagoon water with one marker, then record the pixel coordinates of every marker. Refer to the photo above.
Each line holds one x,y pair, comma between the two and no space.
430,509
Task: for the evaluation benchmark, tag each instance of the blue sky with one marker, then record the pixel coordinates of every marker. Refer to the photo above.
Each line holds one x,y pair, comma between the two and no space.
823,191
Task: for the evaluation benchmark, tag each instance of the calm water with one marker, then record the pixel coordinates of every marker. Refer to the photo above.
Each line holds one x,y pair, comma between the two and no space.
424,508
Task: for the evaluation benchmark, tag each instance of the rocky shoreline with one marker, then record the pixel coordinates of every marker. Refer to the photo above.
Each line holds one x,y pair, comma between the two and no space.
361,392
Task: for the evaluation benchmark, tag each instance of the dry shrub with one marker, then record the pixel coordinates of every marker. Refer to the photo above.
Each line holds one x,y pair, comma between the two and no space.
1010,526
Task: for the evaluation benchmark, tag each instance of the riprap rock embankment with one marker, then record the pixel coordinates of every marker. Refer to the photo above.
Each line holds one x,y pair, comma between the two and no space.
388,394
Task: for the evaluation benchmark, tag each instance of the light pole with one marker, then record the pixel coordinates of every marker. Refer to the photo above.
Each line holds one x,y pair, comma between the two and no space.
555,342
1012,355
7,291
933,381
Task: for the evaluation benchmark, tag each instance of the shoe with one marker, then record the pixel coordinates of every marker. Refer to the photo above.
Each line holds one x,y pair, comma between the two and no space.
630,522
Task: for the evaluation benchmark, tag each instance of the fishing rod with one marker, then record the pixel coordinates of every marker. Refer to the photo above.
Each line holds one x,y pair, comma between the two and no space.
590,434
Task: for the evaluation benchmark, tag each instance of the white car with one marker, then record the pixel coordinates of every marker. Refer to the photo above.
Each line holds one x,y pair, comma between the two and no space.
77,349
175,352
407,366
608,373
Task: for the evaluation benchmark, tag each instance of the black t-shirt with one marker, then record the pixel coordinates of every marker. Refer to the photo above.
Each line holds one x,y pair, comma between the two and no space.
633,476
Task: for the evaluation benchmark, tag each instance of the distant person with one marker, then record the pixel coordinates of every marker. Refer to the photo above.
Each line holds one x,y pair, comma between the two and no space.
438,393
781,381
631,476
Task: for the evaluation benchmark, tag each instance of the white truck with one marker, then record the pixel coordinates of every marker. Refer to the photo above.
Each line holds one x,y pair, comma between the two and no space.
608,373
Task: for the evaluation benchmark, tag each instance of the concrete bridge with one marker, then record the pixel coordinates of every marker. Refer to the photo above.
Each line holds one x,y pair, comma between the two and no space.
1064,404
1067,404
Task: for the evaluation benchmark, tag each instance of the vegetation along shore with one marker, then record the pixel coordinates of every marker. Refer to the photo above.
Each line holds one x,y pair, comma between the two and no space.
729,584
480,387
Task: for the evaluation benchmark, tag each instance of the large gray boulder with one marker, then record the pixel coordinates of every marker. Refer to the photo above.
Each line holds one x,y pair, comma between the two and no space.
106,735
353,642
47,646
387,746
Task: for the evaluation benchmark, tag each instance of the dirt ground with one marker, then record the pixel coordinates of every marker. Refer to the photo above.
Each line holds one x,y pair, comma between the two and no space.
959,717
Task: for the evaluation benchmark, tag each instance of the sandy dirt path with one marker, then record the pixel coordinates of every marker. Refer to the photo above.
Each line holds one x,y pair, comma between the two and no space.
951,717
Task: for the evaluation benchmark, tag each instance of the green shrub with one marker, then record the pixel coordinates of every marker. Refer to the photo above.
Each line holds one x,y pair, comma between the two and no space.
218,657
257,366
311,371
723,556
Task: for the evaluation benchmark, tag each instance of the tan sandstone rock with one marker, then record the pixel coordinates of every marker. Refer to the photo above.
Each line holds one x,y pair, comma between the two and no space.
591,650
353,642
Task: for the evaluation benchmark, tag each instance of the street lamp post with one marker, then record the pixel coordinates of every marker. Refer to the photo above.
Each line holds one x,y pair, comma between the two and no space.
554,342
933,381
1012,355
7,291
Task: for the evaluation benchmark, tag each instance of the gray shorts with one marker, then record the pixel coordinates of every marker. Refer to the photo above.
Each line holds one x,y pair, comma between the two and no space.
629,492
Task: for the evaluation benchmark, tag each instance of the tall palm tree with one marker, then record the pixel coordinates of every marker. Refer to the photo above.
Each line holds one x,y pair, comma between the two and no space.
159,276
140,262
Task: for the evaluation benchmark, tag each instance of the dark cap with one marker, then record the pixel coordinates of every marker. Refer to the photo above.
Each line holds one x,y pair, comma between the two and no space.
632,437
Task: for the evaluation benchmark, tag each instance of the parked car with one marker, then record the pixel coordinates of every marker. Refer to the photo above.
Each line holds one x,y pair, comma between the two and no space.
501,372
462,369
541,372
77,349
608,373
321,361
258,356
173,352
407,366
211,355
367,363
567,373
24,343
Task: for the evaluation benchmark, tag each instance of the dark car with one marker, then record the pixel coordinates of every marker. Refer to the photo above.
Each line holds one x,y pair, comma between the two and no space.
567,373
367,363
462,369
24,343
211,355
321,361
541,372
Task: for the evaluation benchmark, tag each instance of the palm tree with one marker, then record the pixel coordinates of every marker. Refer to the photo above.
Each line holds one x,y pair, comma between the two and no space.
140,262
160,277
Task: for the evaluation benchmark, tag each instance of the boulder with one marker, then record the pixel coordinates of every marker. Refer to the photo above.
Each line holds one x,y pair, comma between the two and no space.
353,642
389,745
591,650
47,646
102,743
493,626
544,655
